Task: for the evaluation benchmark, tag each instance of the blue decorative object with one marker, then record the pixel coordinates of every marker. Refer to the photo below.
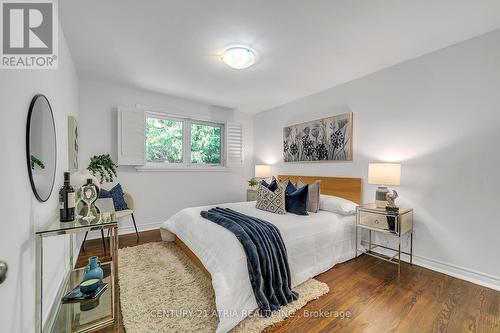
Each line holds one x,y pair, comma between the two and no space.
93,269
116,193
89,286
77,295
296,202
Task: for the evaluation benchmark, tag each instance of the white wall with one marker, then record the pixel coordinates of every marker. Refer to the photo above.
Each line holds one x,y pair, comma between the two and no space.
439,116
158,195
22,214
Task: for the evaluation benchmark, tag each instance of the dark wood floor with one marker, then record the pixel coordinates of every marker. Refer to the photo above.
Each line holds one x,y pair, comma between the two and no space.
366,296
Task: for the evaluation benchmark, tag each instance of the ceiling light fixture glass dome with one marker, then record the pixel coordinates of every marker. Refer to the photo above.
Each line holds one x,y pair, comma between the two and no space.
239,57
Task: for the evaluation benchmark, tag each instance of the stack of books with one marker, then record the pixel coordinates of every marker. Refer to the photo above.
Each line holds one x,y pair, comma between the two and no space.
75,295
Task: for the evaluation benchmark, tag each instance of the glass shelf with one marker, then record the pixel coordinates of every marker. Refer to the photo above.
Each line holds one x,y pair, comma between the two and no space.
59,228
87,315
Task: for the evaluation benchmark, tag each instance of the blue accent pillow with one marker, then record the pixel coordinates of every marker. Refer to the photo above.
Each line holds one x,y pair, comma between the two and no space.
296,202
272,187
116,193
290,188
104,194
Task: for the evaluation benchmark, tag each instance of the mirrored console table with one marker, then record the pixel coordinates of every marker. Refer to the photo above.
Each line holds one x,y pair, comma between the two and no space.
81,316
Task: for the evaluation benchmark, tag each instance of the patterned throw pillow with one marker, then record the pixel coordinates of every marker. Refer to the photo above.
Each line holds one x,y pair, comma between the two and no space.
270,201
313,197
272,186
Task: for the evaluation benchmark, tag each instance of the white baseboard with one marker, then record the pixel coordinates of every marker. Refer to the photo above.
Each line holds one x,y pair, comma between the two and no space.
459,272
480,278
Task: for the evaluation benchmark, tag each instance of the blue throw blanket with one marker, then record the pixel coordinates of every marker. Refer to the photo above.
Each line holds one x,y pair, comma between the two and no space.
267,259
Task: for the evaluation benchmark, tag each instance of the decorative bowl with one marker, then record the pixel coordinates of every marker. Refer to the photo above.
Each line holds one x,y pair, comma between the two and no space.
89,286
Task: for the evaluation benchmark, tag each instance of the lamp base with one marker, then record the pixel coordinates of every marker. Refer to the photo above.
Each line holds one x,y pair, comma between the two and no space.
380,197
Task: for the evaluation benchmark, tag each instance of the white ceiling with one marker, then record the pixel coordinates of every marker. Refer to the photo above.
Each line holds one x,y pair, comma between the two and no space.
172,46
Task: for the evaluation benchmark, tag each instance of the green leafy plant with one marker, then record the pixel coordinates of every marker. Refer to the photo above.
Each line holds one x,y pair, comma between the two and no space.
35,161
253,182
104,166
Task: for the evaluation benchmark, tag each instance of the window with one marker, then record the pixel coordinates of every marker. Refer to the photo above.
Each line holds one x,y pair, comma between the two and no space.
157,141
206,143
166,139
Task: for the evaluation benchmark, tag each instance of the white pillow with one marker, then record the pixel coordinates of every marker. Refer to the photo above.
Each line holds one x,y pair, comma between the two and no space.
337,205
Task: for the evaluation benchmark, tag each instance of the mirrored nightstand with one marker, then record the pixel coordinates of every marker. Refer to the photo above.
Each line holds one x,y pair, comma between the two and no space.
251,194
396,224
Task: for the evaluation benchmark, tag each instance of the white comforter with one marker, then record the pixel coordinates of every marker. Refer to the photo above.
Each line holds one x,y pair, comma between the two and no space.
314,244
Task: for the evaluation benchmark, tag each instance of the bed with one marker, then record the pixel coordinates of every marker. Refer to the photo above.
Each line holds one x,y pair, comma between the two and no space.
315,243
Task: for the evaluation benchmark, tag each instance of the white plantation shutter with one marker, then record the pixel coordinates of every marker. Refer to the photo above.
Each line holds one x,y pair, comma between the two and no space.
131,137
234,141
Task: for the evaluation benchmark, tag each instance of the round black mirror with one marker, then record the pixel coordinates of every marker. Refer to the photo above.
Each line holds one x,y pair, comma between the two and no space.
41,150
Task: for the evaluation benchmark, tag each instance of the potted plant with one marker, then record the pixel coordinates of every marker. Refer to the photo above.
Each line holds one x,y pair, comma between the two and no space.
253,182
104,166
101,165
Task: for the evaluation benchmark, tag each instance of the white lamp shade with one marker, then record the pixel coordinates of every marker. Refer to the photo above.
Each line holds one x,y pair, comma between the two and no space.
384,173
263,171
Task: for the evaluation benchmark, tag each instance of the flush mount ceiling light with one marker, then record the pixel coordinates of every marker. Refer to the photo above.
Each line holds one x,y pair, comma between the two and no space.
239,57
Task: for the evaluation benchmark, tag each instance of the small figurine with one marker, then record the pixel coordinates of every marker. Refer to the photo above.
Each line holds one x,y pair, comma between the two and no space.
391,197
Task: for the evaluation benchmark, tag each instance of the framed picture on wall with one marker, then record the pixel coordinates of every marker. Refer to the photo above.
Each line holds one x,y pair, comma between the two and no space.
327,139
72,144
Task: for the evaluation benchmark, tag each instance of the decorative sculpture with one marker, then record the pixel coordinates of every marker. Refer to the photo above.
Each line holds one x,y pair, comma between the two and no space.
391,197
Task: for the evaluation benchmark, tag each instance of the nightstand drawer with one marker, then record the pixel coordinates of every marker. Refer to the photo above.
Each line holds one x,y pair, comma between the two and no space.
377,221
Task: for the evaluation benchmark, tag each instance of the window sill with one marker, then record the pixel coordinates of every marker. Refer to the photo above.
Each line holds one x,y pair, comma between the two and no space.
148,168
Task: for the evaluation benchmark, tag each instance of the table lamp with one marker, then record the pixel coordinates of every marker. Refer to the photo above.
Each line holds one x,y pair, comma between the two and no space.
384,174
262,171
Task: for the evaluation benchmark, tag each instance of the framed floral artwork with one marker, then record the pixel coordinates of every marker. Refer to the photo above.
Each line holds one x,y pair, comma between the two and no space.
327,139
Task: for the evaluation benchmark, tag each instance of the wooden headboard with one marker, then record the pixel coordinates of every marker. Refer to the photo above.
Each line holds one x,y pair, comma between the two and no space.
347,188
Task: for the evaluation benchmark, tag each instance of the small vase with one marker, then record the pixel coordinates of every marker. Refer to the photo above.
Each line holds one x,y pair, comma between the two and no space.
88,194
93,269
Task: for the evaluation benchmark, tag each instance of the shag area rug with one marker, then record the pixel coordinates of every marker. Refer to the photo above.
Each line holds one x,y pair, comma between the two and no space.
161,290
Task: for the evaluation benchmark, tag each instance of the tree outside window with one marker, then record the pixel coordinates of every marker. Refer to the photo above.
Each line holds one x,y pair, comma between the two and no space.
165,141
